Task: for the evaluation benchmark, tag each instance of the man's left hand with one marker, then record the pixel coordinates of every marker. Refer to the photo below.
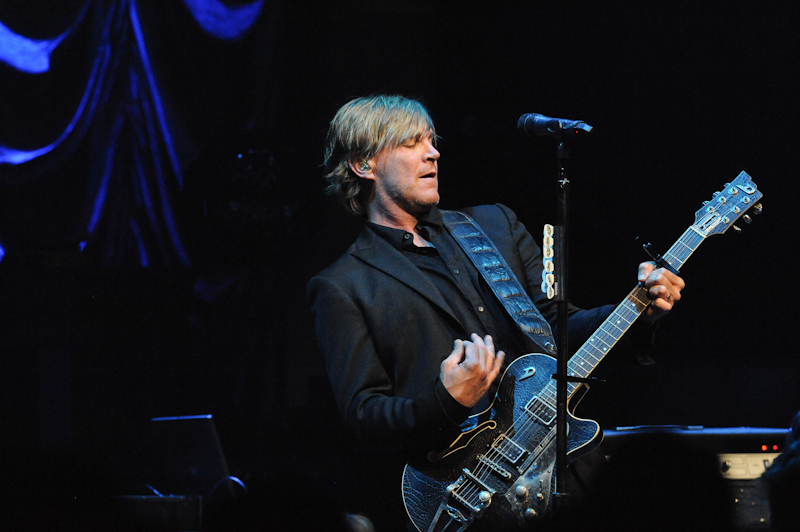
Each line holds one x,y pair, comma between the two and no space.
663,288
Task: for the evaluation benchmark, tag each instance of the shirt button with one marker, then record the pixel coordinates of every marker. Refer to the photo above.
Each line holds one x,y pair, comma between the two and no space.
480,309
455,272
406,236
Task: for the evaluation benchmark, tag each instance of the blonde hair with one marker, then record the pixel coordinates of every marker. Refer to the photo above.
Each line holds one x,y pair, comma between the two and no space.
361,129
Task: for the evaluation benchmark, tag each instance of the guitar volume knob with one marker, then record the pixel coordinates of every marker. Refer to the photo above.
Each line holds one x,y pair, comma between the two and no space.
521,492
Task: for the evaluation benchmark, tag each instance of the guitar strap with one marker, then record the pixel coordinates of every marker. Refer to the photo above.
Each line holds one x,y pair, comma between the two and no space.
500,278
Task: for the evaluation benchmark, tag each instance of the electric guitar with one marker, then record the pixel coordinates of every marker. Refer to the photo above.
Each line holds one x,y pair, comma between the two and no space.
499,472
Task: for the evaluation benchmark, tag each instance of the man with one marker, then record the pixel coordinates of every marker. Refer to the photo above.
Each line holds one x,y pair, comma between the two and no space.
413,337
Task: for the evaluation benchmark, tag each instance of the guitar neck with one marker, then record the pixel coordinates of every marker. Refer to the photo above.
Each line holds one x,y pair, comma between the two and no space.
620,320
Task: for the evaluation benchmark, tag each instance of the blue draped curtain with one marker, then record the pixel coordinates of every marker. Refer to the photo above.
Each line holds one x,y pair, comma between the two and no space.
105,103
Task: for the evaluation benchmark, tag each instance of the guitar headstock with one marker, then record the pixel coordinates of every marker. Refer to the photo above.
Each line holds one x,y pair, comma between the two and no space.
727,206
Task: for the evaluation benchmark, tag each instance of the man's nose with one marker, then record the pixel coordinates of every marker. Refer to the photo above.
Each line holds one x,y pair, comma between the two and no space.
433,153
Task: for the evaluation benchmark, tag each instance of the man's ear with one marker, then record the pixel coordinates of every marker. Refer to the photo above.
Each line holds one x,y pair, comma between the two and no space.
361,168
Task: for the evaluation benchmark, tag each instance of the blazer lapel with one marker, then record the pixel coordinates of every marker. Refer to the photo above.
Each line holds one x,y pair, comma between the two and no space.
379,254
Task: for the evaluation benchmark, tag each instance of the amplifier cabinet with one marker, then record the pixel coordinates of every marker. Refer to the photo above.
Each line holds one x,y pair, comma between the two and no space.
743,453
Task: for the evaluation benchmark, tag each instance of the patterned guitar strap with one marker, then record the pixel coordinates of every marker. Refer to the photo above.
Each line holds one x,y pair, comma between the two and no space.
500,278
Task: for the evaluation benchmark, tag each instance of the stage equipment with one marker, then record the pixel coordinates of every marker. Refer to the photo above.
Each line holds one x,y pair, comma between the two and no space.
187,456
160,514
743,453
185,470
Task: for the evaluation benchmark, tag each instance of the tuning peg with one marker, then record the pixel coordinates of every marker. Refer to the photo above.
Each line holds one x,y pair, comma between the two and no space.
736,229
757,208
747,219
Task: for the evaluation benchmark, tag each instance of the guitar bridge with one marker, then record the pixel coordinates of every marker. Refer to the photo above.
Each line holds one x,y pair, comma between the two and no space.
494,466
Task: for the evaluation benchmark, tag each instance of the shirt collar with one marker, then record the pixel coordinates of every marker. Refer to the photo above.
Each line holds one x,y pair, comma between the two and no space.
430,223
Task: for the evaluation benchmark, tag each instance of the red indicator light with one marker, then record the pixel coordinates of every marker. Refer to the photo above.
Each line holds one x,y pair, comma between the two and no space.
774,447
763,447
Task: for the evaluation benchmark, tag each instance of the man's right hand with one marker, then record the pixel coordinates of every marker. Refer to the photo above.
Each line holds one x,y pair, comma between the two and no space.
470,369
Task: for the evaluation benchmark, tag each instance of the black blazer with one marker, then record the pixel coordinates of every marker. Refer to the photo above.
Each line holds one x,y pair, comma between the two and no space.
384,330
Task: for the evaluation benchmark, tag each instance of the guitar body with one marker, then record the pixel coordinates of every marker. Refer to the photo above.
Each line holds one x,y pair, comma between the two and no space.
500,471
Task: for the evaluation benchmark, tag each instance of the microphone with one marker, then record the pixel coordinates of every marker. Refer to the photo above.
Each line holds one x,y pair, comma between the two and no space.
536,124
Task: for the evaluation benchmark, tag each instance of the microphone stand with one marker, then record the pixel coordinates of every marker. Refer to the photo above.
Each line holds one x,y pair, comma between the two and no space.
560,129
560,266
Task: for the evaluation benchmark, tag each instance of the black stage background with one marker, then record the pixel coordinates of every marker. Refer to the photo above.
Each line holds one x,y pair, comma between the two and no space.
682,98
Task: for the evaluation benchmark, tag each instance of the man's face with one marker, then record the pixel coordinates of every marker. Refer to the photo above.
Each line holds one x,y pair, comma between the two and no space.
406,177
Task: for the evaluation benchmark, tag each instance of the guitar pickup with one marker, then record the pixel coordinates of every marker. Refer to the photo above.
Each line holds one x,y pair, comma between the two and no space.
508,449
540,410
